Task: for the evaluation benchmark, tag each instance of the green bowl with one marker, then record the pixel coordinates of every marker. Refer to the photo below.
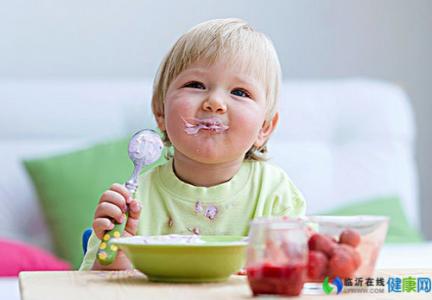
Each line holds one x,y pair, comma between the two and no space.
213,260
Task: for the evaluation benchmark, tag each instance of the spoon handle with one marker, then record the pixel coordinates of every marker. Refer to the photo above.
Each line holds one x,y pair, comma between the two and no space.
107,251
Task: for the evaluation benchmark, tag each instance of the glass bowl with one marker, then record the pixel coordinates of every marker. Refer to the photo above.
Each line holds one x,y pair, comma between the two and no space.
344,246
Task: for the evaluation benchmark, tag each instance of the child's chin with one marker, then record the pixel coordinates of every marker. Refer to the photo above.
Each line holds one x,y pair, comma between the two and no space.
209,157
209,151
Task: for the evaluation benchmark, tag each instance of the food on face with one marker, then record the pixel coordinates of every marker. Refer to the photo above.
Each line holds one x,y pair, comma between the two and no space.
213,124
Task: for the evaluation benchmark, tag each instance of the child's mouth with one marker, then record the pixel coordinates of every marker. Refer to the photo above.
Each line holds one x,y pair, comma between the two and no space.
212,124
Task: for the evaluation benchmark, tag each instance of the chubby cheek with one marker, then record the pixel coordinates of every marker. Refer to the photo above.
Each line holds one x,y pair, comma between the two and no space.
246,128
173,119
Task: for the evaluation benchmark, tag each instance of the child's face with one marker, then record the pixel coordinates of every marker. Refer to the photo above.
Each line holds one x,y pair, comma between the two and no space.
222,91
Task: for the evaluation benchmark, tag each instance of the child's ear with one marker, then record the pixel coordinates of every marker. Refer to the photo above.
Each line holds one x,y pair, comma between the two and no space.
266,130
160,119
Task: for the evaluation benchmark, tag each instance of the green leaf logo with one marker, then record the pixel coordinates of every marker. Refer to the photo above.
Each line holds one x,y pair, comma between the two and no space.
326,286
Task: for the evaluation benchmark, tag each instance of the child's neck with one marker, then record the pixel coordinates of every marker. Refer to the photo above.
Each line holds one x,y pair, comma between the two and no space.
201,174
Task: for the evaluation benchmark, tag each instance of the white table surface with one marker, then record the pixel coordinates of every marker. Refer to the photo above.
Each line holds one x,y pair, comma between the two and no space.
391,256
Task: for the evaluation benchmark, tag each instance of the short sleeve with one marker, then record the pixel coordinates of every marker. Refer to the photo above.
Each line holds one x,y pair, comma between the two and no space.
287,200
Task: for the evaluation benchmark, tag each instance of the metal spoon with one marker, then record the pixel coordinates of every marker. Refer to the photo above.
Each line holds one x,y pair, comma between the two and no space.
145,147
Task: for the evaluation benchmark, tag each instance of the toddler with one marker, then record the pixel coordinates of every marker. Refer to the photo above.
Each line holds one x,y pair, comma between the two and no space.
215,100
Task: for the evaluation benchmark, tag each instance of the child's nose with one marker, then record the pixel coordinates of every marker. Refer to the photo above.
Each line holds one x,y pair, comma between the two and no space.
214,103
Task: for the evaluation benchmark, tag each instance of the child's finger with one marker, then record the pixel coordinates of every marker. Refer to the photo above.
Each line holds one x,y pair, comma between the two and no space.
114,198
121,189
109,210
134,209
134,215
100,225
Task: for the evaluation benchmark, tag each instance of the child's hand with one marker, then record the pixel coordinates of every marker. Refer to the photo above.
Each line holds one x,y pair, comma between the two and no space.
112,207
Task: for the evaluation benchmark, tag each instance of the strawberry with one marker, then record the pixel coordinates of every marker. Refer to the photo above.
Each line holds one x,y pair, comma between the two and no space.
342,263
323,243
350,237
357,259
353,252
317,265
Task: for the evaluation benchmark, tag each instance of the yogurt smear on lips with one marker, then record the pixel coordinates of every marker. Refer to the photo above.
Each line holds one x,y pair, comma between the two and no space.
213,124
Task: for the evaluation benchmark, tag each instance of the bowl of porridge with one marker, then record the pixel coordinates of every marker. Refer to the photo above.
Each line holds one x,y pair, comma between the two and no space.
185,258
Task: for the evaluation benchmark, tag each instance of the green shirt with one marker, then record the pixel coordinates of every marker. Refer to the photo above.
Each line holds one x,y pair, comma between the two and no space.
170,205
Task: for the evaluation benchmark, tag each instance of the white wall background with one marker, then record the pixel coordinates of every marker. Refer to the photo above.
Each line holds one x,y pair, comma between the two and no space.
386,39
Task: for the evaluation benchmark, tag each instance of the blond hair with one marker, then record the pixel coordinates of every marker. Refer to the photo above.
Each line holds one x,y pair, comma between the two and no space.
235,41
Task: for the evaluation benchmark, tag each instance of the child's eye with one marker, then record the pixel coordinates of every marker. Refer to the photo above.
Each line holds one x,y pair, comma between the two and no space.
240,93
195,85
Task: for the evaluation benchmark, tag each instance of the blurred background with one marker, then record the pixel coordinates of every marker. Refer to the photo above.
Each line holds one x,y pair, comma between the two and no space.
124,41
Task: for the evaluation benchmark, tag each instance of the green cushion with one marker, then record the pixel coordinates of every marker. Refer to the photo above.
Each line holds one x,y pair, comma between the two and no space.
400,230
70,185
